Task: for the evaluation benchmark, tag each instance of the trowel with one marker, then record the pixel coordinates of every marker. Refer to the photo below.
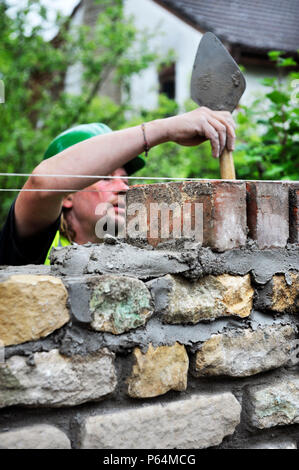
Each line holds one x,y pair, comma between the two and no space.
217,83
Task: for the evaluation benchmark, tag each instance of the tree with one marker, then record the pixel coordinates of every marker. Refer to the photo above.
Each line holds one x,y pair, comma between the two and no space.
268,130
37,108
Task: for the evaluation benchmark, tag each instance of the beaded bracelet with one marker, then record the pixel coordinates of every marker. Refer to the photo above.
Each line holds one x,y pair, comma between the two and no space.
146,145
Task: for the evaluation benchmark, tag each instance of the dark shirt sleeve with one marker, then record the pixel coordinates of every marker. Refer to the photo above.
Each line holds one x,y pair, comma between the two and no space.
18,251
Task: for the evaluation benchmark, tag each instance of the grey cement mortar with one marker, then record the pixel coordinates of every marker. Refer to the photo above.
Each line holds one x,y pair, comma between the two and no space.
263,297
7,271
120,258
262,264
127,260
73,339
79,296
124,259
160,289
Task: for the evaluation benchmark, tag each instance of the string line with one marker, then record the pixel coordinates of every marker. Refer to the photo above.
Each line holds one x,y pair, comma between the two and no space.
59,190
101,177
97,177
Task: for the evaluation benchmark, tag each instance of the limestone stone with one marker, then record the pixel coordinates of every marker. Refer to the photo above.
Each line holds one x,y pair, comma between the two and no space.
208,298
42,436
285,297
158,370
280,294
55,380
274,444
246,352
197,422
119,304
32,306
275,404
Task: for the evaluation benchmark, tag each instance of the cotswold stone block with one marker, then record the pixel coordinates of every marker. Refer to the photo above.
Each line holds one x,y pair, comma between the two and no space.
199,422
245,353
268,213
161,213
55,380
31,307
274,444
158,370
281,294
183,301
276,404
40,436
119,304
294,212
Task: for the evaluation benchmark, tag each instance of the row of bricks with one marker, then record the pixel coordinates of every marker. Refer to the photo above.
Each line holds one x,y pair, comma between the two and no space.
232,212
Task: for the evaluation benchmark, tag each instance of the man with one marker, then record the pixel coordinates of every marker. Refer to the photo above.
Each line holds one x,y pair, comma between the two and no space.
104,200
34,219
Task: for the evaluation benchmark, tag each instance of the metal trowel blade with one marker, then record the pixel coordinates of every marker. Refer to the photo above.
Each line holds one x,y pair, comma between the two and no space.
217,82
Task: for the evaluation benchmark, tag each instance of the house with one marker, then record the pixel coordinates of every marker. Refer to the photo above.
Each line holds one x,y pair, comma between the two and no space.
248,29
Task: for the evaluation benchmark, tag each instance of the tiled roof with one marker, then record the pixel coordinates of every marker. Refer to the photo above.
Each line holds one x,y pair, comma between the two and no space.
256,24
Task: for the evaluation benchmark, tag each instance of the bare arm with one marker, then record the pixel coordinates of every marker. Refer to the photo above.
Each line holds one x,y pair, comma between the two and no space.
102,154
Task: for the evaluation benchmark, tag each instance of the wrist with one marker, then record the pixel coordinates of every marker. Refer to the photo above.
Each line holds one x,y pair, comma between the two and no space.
157,132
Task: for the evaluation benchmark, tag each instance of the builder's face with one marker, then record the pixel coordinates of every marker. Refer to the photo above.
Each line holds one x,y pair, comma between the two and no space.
103,201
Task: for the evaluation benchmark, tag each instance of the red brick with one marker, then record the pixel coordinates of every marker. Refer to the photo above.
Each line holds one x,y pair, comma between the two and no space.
268,213
224,211
294,212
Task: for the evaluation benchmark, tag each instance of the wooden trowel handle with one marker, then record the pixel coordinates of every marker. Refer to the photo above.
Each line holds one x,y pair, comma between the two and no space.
227,167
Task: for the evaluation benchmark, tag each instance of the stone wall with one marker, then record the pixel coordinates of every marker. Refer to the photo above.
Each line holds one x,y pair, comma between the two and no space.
160,343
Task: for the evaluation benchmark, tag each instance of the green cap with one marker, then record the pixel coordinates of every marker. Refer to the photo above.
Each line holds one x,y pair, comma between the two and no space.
82,132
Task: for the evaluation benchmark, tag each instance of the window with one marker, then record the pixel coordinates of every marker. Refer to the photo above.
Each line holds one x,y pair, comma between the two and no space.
167,80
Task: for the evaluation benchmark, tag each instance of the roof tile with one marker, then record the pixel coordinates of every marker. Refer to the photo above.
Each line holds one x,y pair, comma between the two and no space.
258,24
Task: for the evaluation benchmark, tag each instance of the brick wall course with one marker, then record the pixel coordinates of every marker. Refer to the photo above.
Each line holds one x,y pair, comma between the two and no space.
268,213
233,213
223,210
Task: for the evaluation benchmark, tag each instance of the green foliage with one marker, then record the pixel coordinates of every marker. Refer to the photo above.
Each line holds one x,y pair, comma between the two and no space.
268,130
34,69
37,107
